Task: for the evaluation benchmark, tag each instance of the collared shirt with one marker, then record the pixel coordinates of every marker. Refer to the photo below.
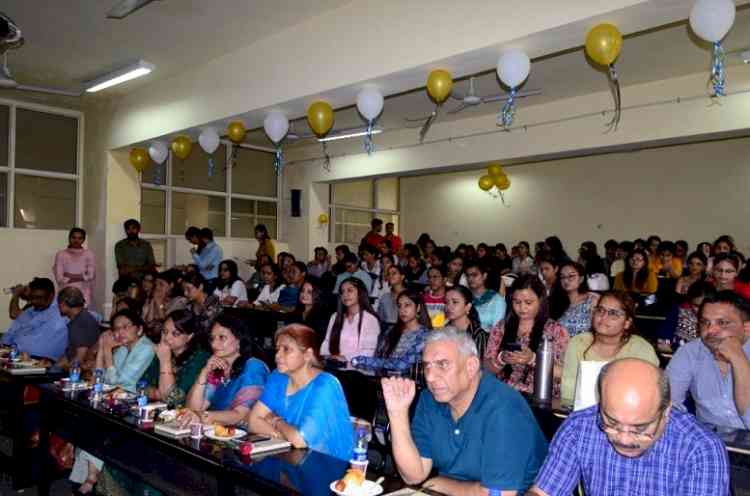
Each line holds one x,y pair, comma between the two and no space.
41,333
693,368
208,260
687,459
129,365
359,274
83,331
496,442
138,253
354,340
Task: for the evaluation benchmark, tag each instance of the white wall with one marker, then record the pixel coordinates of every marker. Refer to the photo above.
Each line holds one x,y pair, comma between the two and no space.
694,192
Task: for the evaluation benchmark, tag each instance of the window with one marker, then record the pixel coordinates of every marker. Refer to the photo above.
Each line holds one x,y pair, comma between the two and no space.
39,164
355,203
239,193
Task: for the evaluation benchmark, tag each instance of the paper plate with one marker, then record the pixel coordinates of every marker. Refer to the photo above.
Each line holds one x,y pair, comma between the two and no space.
238,433
368,488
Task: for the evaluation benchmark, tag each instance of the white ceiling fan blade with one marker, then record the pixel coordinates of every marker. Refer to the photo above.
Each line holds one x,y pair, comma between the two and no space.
126,7
505,96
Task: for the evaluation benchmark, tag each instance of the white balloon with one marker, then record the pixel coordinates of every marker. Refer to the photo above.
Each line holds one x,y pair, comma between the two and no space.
276,125
158,152
513,68
370,103
209,140
712,19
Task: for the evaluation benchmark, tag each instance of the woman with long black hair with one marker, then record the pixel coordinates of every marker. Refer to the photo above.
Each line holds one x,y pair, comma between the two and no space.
637,276
461,314
230,289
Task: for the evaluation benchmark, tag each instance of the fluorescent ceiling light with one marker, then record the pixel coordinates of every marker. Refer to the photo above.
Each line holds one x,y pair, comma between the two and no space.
348,135
119,76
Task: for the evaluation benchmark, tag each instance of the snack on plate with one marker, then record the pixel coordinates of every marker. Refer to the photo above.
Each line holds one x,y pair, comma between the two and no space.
221,431
353,478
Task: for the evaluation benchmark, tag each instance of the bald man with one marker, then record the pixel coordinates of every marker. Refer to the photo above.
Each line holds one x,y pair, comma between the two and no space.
633,443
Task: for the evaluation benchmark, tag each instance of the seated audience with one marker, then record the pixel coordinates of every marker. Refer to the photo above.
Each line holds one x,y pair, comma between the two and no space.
652,246
715,369
354,329
594,266
554,247
351,269
455,274
300,402
134,256
742,283
696,271
681,251
230,289
380,285
511,350
488,303
637,276
612,336
231,381
370,262
76,266
461,314
147,284
623,250
571,303
284,260
665,264
39,330
273,283
415,269
295,276
503,260
403,343
523,263
465,426
265,245
548,268
204,306
178,361
161,303
681,323
386,304
340,251
83,329
633,442
610,254
434,295
320,264
726,266
312,309
124,351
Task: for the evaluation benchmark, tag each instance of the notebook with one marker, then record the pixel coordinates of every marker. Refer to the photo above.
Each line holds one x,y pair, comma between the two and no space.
172,429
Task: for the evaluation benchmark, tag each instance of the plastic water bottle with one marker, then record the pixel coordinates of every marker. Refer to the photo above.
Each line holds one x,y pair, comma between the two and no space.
361,440
14,351
75,373
98,381
142,397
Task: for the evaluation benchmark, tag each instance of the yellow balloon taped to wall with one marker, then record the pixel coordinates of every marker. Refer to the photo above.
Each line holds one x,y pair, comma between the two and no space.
495,170
322,219
486,183
439,85
236,132
502,182
320,118
139,159
182,146
603,44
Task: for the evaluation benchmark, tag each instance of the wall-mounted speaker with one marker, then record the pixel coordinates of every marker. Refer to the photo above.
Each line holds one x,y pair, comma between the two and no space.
296,203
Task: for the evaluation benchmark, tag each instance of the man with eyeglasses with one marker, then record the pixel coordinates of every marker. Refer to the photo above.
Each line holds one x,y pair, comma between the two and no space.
633,443
476,431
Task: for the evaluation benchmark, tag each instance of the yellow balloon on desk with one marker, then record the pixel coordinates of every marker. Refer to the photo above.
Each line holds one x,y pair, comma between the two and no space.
439,85
182,146
139,159
236,132
603,44
320,118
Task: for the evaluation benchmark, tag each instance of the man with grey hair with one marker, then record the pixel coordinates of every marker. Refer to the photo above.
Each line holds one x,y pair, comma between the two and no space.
83,329
479,433
633,442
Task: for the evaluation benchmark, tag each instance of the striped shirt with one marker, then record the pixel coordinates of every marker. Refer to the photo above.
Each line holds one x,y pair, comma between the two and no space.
687,459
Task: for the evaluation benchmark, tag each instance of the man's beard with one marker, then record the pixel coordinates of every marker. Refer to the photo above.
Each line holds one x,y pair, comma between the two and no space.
132,236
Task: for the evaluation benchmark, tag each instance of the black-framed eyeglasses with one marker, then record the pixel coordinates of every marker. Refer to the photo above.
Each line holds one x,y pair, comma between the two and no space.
612,313
644,432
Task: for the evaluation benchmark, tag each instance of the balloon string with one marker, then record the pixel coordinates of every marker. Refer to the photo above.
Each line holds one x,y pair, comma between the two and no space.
278,161
614,80
718,74
210,166
157,175
505,118
326,158
369,145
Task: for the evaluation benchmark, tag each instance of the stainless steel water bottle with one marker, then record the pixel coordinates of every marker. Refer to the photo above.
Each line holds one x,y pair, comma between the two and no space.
543,371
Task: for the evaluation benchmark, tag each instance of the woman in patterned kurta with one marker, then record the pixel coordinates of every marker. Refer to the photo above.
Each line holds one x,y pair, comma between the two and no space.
523,329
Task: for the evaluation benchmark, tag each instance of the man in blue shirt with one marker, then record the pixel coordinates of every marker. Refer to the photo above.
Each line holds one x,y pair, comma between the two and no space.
208,258
39,330
633,442
351,269
479,433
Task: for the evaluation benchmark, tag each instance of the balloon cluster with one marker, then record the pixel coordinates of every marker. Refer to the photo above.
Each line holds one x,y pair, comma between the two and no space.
711,20
495,181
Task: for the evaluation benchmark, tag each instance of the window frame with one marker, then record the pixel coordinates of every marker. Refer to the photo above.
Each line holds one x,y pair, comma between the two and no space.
168,188
375,211
11,170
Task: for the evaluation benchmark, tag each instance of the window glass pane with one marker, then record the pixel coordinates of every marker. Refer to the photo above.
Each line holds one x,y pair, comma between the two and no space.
160,251
193,171
351,225
246,214
153,211
189,209
387,193
267,215
155,174
59,151
44,203
253,173
4,134
355,193
3,200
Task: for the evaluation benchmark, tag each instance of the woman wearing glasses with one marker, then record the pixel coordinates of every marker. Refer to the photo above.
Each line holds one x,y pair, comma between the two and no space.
725,269
571,303
612,336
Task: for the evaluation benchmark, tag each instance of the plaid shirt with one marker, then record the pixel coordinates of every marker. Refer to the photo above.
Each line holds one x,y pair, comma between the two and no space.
687,460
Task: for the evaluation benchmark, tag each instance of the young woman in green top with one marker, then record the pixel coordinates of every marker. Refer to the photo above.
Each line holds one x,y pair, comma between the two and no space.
178,360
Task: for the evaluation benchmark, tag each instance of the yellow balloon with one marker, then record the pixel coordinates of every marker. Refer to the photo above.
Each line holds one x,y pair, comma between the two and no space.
181,147
439,85
603,44
486,183
236,131
323,219
495,170
320,118
502,182
139,159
